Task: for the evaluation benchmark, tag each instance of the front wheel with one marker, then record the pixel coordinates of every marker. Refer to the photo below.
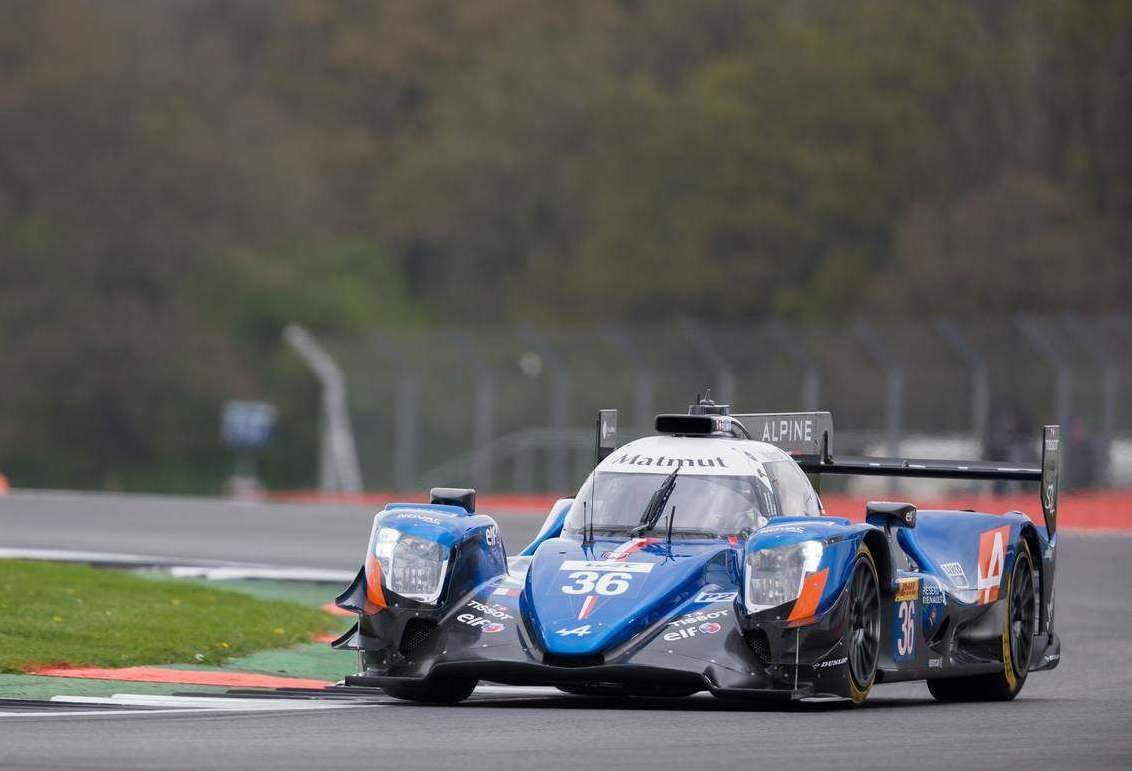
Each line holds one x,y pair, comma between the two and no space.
435,690
862,637
1019,624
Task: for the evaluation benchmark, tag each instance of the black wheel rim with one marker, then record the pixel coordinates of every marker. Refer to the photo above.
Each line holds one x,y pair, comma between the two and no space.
864,625
1022,615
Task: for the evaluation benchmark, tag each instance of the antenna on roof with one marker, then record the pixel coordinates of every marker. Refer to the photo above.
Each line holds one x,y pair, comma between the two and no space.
705,406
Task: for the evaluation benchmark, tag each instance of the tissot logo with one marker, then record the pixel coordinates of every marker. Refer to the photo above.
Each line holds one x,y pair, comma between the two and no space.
647,460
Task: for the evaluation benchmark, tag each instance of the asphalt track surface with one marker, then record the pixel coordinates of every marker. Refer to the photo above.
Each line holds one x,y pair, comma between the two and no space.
1078,716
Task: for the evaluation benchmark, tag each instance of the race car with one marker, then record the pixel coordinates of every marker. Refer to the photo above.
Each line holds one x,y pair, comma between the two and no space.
701,559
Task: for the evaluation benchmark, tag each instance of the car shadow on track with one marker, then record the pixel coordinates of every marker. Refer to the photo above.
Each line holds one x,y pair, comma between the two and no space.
700,703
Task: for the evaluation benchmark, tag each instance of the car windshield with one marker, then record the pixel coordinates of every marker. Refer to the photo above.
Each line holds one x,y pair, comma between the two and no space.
705,505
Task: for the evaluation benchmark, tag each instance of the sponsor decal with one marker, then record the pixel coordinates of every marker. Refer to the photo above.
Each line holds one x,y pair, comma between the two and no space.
623,551
507,591
904,630
627,567
1049,657
831,663
936,663
419,517
578,631
692,631
955,572
932,593
992,558
907,589
472,620
491,535
648,460
796,430
712,597
934,600
782,529
699,617
493,610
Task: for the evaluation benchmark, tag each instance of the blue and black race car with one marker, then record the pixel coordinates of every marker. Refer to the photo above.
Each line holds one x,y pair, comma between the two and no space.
700,559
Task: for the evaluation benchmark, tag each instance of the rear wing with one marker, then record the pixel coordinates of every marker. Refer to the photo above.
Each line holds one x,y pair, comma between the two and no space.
808,437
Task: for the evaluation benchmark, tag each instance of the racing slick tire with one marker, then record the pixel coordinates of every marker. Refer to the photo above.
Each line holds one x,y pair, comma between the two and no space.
862,633
434,690
1019,622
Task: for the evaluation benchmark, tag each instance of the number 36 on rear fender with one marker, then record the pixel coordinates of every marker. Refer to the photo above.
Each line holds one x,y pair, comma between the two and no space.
904,630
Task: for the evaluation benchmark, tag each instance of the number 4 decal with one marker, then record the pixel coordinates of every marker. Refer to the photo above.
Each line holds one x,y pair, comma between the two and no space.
992,558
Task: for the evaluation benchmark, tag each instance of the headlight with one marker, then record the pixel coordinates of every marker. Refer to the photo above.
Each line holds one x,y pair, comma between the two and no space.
410,566
775,576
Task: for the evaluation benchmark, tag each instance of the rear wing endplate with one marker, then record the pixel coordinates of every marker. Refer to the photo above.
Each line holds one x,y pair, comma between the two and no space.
805,435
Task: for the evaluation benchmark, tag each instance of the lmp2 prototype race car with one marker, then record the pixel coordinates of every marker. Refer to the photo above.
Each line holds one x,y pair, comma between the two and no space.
701,559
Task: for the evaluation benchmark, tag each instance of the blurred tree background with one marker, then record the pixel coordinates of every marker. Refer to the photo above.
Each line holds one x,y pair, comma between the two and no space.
180,179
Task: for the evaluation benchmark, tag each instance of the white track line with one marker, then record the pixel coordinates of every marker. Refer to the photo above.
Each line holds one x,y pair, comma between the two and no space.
222,703
202,705
186,568
106,713
314,575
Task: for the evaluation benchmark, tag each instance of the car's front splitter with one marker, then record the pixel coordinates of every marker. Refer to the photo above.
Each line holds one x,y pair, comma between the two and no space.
764,660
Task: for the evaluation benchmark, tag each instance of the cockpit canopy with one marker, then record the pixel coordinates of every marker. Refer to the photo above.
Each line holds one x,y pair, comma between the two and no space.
723,487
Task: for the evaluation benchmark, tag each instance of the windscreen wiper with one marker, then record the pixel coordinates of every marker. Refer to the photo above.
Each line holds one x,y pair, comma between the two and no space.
653,511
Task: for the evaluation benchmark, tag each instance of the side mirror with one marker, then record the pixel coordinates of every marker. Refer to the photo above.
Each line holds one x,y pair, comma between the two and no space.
465,498
885,514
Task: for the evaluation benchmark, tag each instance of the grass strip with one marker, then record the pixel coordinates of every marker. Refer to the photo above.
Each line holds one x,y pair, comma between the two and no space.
55,614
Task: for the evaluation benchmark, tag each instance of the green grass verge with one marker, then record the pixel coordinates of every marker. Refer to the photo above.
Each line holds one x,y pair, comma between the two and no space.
61,614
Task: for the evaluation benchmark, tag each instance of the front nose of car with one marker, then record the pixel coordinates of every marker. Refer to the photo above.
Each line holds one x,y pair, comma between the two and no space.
582,603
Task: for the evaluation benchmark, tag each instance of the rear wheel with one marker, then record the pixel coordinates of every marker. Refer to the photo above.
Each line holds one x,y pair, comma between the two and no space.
435,690
862,638
1019,625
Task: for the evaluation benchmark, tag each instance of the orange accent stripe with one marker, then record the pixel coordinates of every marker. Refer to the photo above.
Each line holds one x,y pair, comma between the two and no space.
587,606
807,602
374,594
183,677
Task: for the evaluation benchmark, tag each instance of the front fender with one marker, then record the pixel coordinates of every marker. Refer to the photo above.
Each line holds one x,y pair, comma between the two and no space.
840,539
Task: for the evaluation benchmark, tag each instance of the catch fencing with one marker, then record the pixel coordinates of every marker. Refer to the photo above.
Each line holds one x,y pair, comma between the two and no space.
511,408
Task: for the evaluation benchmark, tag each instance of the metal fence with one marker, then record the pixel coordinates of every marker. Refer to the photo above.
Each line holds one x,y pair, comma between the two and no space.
511,408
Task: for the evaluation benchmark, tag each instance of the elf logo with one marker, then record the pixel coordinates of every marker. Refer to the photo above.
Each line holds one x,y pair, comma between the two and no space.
693,631
472,620
992,559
